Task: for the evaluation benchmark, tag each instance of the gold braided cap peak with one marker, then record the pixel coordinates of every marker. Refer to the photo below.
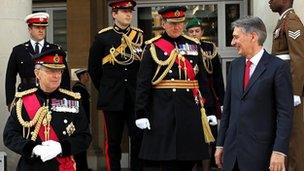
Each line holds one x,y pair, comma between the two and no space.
26,92
153,39
105,29
70,93
191,38
137,29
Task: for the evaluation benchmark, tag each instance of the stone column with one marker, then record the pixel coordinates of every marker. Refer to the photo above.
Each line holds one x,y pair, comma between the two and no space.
262,10
13,31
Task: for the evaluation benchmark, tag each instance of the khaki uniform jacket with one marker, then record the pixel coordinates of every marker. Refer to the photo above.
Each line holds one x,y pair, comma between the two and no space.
289,39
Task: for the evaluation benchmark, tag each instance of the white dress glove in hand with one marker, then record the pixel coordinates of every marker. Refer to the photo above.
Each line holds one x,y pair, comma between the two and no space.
212,120
54,149
143,123
296,100
38,150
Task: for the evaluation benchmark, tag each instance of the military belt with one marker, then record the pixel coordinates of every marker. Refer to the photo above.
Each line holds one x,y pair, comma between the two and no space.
179,84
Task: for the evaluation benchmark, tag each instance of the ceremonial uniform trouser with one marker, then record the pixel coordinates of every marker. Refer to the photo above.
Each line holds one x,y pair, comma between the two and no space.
114,125
171,165
296,149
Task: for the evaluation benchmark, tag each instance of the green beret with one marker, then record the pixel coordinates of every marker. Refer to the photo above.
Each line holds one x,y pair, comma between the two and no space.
194,22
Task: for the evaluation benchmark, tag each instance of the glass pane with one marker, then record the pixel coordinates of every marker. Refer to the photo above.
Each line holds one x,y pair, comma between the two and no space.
150,22
232,14
59,29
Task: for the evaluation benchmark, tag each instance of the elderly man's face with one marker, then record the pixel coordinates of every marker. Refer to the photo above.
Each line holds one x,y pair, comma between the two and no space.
49,79
173,29
243,42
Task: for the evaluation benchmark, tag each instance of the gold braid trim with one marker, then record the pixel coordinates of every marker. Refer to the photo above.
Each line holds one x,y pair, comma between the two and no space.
210,54
170,61
152,40
191,38
26,92
70,93
105,29
37,120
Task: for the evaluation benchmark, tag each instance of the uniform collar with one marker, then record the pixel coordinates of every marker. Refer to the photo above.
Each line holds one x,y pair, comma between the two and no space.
285,13
33,43
121,31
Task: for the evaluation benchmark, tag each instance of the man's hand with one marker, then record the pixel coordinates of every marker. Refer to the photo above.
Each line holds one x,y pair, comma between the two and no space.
218,155
212,120
54,149
143,123
277,162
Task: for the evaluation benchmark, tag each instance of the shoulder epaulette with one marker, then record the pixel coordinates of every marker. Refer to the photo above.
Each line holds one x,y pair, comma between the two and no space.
25,92
137,29
153,39
105,29
191,38
70,93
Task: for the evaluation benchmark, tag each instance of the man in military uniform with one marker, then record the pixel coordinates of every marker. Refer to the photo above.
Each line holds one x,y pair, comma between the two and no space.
20,61
113,65
288,41
47,125
215,80
169,106
80,87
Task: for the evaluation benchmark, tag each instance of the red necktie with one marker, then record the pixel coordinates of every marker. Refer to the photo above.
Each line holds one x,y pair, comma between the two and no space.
247,74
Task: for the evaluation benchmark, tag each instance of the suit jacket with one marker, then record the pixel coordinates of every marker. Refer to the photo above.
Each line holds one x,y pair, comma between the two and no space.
257,120
20,62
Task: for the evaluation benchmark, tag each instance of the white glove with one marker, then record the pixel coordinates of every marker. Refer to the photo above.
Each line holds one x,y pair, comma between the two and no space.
296,100
143,123
38,150
54,149
212,120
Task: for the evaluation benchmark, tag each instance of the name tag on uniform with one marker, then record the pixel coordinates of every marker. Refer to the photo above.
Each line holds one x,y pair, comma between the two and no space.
64,105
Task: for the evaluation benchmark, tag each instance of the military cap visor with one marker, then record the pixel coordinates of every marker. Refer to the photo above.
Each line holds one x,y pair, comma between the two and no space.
193,23
123,4
173,13
53,59
37,19
78,72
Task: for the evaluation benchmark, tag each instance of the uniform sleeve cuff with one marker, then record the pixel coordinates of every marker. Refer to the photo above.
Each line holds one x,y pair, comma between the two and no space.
28,149
279,153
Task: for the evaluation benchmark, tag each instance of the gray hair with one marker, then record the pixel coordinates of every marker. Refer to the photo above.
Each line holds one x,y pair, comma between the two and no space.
38,66
252,24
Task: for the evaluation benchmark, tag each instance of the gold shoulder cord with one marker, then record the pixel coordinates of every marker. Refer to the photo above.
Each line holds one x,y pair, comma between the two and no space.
169,62
208,56
42,115
70,93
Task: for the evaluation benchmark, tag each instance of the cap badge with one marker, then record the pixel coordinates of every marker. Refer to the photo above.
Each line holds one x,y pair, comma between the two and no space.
129,4
177,13
56,58
40,19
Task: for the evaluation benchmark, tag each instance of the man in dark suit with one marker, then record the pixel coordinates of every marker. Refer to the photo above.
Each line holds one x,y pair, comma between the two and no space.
20,61
257,117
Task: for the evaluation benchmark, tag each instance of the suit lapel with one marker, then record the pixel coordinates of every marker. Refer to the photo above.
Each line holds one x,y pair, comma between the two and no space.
240,72
259,70
45,46
29,48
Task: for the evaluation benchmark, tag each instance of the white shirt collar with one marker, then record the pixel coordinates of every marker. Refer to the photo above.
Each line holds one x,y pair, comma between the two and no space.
289,9
33,43
256,58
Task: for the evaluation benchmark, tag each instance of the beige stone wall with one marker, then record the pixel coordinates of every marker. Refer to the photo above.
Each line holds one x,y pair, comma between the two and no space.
262,10
13,31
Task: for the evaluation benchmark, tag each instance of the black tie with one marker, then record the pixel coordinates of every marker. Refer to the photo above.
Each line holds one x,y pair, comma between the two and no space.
36,48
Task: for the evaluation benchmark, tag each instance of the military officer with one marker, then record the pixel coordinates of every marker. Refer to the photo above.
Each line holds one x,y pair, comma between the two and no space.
213,67
20,61
80,87
288,40
47,126
169,106
113,65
